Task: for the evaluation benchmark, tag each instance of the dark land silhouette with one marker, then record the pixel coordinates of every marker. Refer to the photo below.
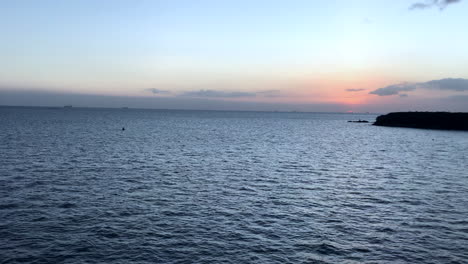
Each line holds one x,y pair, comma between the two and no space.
358,121
429,120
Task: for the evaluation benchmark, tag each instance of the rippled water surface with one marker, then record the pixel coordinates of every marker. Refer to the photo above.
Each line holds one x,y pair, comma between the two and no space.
227,187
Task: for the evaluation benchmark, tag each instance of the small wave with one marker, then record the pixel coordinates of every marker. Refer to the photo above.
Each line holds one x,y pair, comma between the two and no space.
323,248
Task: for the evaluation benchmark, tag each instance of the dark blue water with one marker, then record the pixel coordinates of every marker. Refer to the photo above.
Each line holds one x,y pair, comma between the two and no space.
227,187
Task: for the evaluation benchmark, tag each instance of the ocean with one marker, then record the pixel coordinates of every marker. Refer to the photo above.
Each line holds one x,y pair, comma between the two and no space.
227,187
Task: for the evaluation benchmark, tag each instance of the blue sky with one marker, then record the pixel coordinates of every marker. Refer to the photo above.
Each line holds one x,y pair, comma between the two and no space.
305,51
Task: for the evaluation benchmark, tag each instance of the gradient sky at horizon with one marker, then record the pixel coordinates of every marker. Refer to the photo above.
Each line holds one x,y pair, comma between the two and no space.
278,52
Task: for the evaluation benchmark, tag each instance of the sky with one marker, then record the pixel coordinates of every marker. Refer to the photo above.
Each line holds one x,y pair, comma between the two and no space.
297,55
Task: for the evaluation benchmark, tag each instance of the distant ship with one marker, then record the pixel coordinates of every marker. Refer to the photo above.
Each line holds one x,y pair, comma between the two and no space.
67,106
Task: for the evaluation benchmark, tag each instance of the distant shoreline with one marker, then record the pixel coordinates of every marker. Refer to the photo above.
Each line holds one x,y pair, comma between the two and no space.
182,109
427,120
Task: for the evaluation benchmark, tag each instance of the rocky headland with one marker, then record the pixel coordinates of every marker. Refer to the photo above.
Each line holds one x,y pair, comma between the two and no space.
429,120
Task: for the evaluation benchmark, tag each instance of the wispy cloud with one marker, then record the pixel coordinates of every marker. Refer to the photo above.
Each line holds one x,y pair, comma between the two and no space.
448,84
394,89
452,84
355,90
208,93
270,93
216,94
441,4
366,21
157,91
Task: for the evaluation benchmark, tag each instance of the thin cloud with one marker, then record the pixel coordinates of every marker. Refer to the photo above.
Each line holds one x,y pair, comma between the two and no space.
419,6
208,93
452,84
216,94
441,4
269,93
355,90
447,84
157,91
366,21
15,97
394,89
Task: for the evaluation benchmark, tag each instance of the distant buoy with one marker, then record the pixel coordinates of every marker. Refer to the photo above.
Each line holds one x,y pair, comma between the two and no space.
123,128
